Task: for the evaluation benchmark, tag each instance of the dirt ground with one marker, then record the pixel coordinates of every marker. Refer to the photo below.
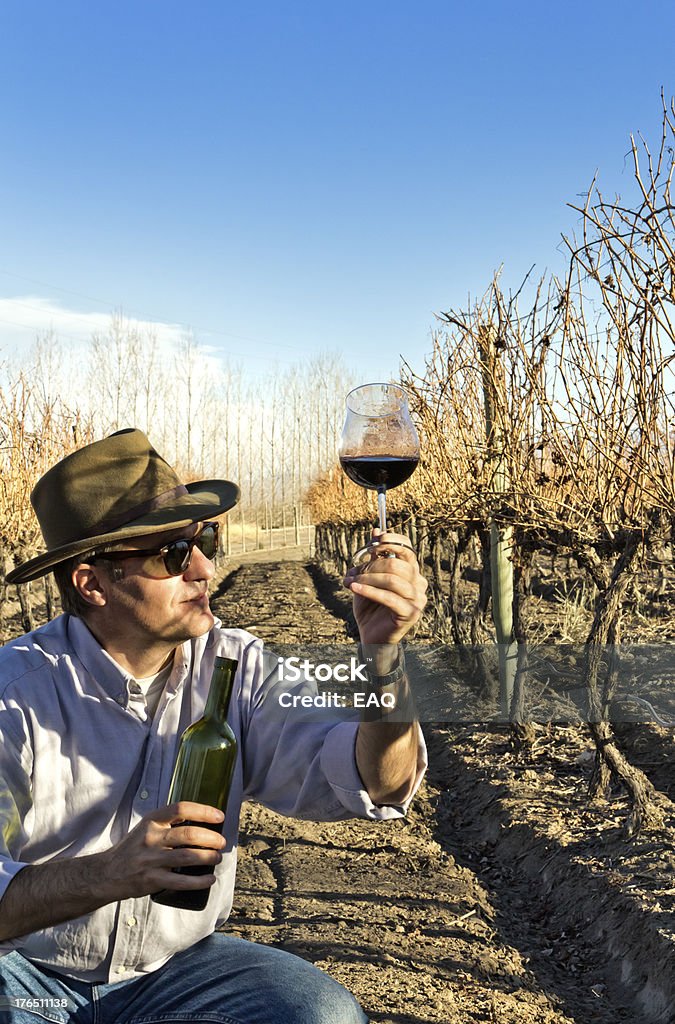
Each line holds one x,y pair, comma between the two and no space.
502,897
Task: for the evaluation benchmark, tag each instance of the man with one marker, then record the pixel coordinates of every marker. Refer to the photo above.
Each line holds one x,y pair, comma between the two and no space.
91,709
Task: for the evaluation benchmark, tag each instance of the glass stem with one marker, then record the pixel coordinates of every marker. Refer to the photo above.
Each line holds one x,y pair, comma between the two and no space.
382,507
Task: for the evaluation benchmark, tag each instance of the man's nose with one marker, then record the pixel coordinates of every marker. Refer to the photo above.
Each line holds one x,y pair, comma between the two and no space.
200,567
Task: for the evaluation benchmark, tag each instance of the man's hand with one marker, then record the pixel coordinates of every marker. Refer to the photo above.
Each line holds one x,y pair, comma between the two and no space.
167,838
389,593
42,895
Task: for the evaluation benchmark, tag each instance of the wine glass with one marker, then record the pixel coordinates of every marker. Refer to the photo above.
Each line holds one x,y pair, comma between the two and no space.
379,448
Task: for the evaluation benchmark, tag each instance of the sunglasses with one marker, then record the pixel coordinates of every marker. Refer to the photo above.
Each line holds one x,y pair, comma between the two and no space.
177,554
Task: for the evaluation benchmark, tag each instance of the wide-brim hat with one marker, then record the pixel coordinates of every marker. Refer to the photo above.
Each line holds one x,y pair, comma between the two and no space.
111,490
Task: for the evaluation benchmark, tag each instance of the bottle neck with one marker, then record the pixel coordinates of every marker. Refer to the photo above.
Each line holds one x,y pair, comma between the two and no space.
220,690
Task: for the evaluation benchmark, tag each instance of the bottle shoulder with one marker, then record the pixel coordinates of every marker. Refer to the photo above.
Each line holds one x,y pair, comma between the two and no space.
209,730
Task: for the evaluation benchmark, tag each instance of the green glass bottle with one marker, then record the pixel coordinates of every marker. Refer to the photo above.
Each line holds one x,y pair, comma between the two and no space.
203,773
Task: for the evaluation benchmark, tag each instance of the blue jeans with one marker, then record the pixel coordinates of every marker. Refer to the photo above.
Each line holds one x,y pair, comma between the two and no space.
220,980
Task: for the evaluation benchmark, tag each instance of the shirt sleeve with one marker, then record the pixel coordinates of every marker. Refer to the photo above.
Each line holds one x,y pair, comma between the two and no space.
301,761
338,763
15,800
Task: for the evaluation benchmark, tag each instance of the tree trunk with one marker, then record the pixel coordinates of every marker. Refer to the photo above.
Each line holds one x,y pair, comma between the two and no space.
24,592
50,596
605,632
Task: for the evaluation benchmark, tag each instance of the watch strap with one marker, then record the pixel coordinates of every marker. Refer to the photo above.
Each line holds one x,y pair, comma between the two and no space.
390,678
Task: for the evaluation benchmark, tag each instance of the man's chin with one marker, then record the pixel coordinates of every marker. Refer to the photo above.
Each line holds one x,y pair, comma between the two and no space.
200,621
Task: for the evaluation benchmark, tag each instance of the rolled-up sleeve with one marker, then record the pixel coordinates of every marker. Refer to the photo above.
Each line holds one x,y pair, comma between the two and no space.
15,802
338,763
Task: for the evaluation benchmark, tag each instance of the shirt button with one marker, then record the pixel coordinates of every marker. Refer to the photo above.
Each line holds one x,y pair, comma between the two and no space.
131,921
144,794
121,970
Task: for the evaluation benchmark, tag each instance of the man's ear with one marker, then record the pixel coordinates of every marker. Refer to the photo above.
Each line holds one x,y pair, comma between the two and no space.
92,583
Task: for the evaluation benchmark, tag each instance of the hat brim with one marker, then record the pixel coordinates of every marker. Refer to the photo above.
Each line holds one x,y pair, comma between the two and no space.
204,500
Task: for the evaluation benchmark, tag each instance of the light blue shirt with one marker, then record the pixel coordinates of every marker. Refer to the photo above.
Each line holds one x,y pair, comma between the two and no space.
81,762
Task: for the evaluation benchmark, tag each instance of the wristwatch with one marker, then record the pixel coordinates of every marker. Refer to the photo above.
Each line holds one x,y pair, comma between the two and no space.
390,678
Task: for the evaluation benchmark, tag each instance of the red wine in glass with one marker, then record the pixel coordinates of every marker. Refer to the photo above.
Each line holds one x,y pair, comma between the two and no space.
379,448
375,471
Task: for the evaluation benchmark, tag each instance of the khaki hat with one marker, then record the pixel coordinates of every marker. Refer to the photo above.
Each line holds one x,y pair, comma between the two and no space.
111,490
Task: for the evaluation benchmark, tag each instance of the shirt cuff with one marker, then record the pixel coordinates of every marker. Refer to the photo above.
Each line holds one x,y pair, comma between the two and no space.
338,762
8,870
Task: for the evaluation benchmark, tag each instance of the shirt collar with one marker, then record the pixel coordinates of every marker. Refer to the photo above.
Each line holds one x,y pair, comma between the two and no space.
97,662
111,676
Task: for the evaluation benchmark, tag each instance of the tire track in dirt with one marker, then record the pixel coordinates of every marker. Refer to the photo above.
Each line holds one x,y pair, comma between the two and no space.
386,908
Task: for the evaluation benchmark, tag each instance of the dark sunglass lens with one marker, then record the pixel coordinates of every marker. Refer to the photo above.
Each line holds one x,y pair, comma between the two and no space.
177,557
178,553
206,541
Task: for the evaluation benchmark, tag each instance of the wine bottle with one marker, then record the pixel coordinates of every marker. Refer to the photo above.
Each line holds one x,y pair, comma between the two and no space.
203,773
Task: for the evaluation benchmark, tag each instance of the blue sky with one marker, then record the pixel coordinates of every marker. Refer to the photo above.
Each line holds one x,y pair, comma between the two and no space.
286,178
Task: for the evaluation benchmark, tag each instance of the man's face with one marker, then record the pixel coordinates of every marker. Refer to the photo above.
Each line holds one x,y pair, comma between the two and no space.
147,604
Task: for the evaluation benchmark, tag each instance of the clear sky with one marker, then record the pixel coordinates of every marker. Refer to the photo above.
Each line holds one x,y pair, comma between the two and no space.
290,177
